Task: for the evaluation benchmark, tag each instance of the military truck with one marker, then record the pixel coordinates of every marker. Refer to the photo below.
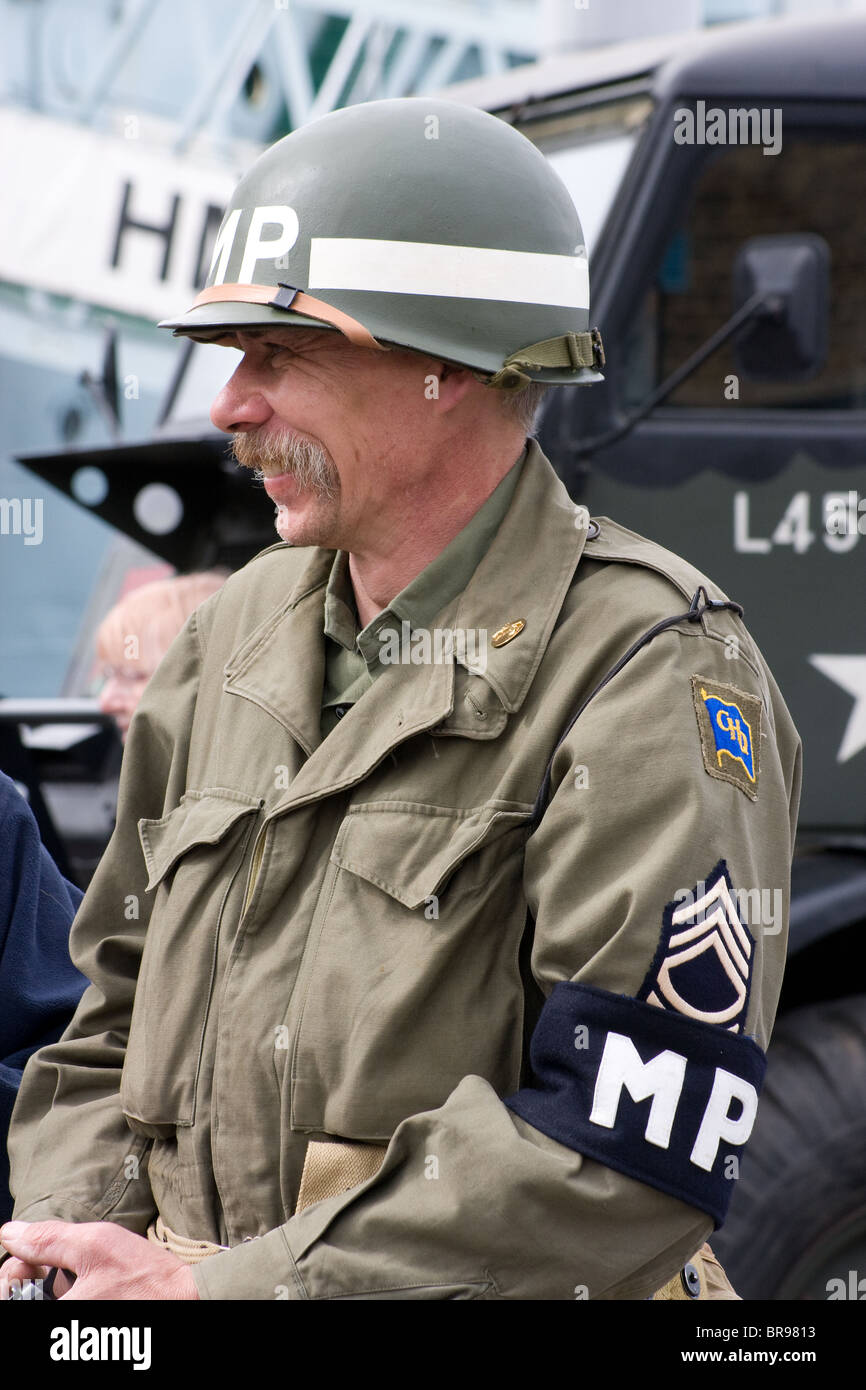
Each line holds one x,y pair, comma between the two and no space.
719,179
729,281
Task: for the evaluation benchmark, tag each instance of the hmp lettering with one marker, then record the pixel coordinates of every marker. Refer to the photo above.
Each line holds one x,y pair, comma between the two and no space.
662,1077
76,1343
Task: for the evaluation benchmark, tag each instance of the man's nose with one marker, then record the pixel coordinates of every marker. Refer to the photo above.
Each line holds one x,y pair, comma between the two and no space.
240,406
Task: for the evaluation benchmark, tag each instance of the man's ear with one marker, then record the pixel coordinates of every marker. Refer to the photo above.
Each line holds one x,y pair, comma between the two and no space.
448,384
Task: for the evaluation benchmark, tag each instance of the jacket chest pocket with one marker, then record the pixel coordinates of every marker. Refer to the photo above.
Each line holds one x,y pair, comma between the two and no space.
410,978
194,856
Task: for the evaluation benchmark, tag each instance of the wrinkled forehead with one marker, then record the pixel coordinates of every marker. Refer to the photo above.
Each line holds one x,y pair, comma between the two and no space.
298,338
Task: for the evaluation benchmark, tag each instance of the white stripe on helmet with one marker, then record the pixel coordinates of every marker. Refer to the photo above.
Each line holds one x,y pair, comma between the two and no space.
453,272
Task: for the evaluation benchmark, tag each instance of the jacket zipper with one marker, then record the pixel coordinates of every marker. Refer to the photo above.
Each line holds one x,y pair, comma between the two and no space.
255,865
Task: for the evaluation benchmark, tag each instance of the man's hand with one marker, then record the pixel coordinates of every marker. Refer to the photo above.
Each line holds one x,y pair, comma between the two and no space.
109,1261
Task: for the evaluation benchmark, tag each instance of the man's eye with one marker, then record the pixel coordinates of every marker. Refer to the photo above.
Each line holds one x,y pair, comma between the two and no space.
278,353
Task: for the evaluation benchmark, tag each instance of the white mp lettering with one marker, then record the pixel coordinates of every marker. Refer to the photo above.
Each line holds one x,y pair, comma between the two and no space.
662,1078
717,1123
258,249
223,247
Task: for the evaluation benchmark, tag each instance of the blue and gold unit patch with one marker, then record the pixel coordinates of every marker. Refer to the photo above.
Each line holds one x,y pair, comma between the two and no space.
729,724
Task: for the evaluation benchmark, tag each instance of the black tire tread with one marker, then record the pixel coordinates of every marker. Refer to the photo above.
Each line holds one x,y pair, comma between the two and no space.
804,1168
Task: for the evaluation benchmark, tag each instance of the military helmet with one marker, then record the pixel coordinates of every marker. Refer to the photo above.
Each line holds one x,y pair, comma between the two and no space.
415,223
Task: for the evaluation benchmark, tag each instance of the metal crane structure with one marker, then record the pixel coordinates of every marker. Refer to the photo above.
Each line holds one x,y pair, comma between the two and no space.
216,71
222,68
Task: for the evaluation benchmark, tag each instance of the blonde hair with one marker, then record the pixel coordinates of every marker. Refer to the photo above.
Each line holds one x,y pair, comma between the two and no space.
141,627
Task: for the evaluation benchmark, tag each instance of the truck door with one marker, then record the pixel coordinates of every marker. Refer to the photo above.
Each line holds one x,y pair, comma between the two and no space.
760,483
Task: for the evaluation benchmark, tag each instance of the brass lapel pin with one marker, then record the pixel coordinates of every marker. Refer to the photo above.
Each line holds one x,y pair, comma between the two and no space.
507,633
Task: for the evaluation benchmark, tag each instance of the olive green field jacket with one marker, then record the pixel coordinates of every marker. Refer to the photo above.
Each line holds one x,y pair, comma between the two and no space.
294,940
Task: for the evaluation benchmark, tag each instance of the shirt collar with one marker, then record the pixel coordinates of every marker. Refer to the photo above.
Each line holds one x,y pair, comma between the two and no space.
523,578
425,596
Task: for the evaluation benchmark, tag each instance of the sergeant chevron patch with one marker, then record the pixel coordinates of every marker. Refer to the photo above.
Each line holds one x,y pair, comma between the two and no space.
703,965
729,723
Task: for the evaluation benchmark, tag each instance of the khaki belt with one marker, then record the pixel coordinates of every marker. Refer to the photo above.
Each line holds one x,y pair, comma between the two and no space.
331,1168
192,1252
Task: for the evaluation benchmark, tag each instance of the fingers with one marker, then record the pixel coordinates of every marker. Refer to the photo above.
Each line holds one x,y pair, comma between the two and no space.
61,1243
15,1273
97,1260
62,1283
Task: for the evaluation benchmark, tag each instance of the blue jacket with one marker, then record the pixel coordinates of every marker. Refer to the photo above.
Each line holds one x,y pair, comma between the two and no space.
39,985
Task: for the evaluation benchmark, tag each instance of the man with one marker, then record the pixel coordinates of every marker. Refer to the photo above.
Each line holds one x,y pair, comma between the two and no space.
138,630
300,1072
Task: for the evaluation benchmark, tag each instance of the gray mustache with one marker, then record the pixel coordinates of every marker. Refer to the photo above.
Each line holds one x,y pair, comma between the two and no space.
268,455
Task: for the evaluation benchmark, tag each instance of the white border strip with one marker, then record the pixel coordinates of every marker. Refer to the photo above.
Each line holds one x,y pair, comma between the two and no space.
452,272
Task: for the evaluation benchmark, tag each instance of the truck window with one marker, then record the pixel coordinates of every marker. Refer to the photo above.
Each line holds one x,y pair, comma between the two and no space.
815,183
590,149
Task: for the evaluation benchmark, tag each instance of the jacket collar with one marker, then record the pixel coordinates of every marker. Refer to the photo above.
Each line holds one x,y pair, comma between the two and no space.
523,577
281,665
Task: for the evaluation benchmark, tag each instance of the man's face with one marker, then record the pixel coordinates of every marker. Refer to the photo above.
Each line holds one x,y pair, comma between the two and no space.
329,426
123,686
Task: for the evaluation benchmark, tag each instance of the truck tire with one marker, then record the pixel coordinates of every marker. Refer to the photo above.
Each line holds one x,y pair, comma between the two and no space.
796,1227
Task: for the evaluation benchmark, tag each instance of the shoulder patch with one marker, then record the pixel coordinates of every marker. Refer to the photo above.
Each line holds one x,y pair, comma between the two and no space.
729,724
703,965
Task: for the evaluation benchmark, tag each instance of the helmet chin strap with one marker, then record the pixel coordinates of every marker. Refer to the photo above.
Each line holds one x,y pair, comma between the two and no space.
287,297
568,350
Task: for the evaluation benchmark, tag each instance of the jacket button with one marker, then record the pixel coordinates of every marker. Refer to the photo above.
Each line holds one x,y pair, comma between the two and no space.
340,710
